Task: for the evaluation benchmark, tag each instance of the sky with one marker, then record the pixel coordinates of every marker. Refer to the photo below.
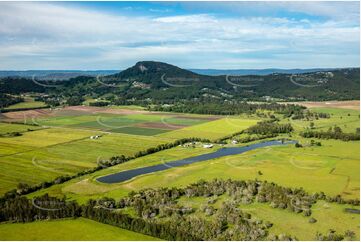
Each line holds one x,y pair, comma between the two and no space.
204,35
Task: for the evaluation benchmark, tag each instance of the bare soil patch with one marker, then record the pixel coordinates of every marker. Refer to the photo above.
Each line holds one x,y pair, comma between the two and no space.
355,104
22,115
93,110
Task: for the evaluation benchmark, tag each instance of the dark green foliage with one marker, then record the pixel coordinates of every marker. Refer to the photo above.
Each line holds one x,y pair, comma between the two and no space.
226,108
16,85
21,209
99,104
268,127
335,133
7,100
75,100
308,115
11,134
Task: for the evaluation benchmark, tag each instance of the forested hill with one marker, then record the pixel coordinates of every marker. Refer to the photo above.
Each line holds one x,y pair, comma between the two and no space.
157,82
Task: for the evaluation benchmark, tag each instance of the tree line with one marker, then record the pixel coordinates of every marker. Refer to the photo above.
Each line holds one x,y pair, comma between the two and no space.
269,127
226,108
308,115
332,133
7,100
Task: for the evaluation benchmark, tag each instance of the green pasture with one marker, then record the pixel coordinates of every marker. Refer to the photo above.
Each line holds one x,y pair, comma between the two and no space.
348,120
46,154
28,103
328,216
331,168
213,129
47,137
11,127
140,131
67,229
86,186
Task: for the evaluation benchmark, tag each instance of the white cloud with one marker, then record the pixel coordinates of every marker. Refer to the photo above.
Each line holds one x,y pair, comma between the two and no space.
52,36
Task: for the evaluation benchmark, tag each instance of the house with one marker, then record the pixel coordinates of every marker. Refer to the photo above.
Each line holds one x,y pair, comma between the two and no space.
95,137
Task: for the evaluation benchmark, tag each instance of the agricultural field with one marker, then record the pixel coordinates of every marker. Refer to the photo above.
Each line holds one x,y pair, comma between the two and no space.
58,142
29,102
215,129
67,229
6,128
313,168
332,168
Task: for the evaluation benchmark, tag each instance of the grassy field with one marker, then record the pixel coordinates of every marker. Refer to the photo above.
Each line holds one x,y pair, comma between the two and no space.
28,103
333,167
348,120
67,229
328,216
43,155
9,128
86,187
214,129
62,145
314,168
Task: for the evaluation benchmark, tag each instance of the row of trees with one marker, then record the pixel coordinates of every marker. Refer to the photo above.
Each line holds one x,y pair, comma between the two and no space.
269,127
308,115
332,133
22,209
227,108
251,138
262,130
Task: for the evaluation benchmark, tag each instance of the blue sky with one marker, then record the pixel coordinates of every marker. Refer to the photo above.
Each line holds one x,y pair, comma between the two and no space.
218,35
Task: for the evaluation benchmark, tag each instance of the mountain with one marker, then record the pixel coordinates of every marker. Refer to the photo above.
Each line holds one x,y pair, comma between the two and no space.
54,74
165,80
217,72
67,74
157,82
